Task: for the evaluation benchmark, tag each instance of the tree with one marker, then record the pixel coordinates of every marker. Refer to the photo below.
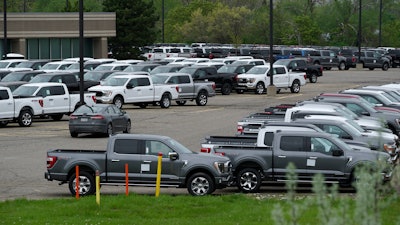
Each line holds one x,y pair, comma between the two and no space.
135,26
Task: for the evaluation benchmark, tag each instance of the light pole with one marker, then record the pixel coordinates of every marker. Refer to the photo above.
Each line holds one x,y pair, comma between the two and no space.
359,66
162,20
380,24
271,89
81,95
5,47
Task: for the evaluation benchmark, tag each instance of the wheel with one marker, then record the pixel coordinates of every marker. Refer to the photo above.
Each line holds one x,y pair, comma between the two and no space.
295,88
260,88
73,134
25,118
226,89
110,129
249,180
240,91
385,66
278,90
118,101
181,103
200,184
128,127
342,66
3,123
165,101
313,77
87,185
57,117
371,68
202,98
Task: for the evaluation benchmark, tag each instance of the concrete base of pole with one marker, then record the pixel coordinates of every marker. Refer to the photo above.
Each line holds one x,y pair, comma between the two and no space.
271,90
359,66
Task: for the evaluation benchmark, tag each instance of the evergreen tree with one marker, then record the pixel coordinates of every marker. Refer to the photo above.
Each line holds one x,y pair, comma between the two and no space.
135,26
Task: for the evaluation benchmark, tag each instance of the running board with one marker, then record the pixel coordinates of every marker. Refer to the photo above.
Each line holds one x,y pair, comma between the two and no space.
141,185
307,182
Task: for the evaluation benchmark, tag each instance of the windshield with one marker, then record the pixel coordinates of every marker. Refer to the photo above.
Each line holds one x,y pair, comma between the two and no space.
354,127
178,147
226,69
159,79
115,81
189,70
50,66
74,66
134,68
25,90
160,69
40,79
92,76
12,77
4,64
24,65
104,67
388,96
282,62
258,70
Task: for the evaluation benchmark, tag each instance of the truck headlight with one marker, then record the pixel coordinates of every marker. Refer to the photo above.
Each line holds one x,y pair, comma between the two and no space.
107,93
252,80
223,167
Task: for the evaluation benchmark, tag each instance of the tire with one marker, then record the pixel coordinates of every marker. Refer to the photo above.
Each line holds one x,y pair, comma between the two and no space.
239,91
200,184
73,134
226,88
118,101
110,129
128,127
295,88
385,66
142,105
87,185
181,103
342,66
260,88
313,77
202,98
165,101
278,90
371,68
25,118
249,180
3,123
57,117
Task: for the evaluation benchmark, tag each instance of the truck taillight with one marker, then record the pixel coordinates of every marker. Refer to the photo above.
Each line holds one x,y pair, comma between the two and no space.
51,160
178,89
73,117
41,102
205,150
214,86
220,153
239,129
94,98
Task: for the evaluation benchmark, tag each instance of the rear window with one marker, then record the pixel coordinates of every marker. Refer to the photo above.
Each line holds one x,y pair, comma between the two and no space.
127,146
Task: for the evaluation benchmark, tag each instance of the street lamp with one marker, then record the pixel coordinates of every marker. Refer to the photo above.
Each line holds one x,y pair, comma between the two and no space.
271,89
5,47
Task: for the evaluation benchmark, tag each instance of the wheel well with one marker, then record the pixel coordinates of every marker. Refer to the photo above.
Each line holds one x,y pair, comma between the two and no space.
26,108
81,168
119,96
167,93
199,170
253,165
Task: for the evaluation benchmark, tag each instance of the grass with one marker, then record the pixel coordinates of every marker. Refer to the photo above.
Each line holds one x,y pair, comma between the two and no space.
165,209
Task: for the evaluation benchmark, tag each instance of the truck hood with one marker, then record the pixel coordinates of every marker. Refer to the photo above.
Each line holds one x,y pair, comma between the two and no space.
376,135
370,123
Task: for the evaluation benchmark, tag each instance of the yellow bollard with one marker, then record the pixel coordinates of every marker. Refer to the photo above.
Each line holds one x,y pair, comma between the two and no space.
158,183
97,187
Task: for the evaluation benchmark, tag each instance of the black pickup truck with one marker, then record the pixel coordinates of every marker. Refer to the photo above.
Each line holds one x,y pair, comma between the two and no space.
299,64
224,82
267,157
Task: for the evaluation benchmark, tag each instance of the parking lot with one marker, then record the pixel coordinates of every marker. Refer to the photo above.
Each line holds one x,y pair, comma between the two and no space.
23,150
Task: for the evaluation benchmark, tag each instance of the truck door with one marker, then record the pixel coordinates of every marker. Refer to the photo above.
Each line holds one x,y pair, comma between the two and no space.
142,90
186,89
55,100
281,78
290,150
170,168
320,159
6,105
126,151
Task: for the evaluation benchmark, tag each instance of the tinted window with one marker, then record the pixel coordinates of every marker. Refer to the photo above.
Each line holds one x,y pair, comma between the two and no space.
184,79
69,79
269,137
127,146
292,143
143,82
3,94
57,90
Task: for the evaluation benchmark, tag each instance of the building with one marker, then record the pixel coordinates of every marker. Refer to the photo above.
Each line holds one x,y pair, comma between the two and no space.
55,36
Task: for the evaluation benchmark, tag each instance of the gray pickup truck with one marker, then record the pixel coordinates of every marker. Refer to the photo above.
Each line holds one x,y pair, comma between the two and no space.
200,173
188,89
267,157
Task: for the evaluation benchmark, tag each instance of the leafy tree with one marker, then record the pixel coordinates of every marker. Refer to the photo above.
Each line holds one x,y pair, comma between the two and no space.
65,5
135,22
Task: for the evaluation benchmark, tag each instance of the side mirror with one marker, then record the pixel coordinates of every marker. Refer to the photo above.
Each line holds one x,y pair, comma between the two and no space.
173,155
337,152
129,86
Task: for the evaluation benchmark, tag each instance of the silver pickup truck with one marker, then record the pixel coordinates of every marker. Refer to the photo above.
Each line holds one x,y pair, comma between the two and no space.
200,173
188,89
267,157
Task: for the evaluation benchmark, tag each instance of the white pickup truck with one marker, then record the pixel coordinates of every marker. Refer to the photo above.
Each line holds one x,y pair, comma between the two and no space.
57,100
135,89
258,78
20,110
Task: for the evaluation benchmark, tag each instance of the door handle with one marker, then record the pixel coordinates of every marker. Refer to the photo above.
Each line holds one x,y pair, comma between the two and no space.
313,157
147,161
282,156
115,160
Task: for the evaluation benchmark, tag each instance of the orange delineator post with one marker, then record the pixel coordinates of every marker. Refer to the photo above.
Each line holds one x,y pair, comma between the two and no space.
77,182
97,187
126,179
158,182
